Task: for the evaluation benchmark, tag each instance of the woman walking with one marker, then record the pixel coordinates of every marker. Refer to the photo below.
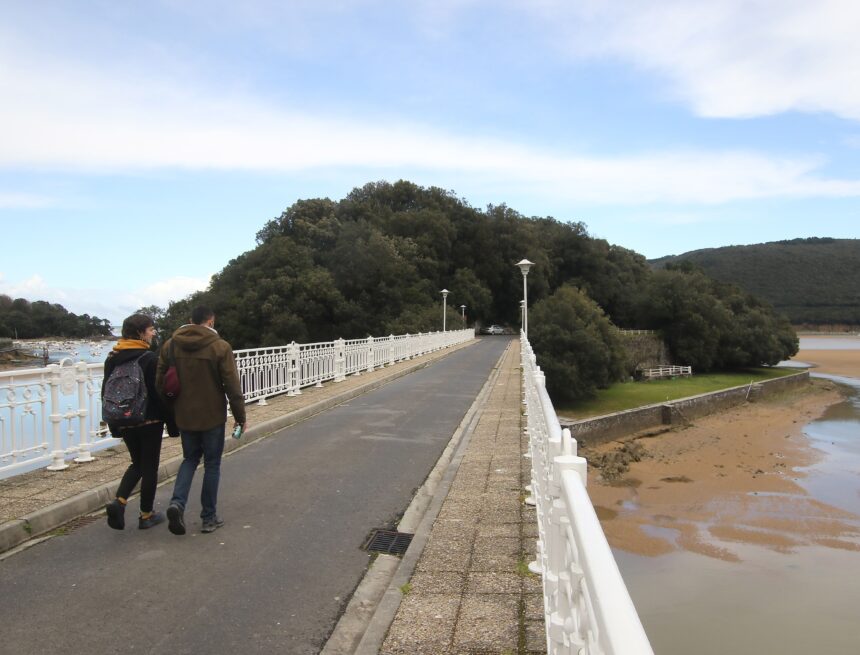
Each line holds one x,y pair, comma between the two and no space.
143,439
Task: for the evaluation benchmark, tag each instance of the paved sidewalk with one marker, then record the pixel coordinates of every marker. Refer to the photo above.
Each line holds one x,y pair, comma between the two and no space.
37,502
471,592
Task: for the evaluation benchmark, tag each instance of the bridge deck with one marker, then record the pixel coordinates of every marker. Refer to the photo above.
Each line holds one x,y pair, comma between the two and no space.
276,577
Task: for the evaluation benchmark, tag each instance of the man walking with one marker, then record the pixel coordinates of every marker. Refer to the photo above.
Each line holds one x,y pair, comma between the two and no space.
208,377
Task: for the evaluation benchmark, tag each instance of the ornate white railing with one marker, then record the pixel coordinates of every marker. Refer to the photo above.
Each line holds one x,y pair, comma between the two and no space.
587,608
50,414
47,414
266,372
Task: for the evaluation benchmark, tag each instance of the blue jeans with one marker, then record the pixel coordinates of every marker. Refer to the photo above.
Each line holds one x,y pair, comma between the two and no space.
208,444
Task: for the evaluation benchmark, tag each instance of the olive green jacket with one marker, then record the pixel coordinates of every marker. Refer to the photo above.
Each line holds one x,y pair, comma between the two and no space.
208,377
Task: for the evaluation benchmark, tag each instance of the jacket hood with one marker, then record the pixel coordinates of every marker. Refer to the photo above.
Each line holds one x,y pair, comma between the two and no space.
194,337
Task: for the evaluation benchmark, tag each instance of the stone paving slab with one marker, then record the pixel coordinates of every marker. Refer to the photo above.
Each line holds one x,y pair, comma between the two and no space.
39,501
471,593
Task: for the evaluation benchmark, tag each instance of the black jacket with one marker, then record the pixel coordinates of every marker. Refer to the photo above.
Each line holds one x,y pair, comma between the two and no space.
156,409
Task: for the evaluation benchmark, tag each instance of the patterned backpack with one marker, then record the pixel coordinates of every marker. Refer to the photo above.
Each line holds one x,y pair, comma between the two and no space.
124,397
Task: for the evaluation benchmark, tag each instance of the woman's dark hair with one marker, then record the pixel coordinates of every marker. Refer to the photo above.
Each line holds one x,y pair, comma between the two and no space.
135,325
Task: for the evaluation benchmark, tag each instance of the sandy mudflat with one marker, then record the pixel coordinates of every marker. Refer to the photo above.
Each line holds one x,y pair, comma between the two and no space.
834,362
730,478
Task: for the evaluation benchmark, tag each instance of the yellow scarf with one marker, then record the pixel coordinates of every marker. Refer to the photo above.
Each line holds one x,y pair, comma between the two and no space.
131,344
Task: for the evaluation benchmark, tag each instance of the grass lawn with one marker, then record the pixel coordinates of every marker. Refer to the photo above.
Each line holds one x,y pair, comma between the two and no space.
627,395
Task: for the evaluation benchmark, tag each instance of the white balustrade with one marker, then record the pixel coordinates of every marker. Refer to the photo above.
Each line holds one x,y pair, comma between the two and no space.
50,414
587,608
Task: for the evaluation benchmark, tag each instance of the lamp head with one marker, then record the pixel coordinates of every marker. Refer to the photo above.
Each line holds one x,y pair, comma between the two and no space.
444,293
525,265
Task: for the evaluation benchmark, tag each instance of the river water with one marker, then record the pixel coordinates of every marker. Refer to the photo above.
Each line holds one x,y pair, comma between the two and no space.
798,602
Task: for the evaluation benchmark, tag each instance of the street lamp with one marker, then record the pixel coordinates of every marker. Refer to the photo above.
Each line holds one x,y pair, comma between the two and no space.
444,304
463,311
524,266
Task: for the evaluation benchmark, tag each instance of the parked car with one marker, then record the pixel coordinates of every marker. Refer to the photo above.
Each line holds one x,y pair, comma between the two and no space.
493,329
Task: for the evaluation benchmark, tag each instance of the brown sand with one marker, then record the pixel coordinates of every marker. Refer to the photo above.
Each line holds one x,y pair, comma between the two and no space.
707,486
834,362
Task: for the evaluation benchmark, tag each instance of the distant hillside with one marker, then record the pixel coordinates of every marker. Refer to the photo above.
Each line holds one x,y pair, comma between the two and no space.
812,281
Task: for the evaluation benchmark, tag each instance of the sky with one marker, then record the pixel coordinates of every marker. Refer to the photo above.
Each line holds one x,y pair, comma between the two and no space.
144,144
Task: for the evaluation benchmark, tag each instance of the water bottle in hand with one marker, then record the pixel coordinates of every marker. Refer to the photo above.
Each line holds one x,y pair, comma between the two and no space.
237,431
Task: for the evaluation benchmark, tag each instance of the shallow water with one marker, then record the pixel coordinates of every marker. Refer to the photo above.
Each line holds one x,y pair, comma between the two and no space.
798,602
835,479
830,343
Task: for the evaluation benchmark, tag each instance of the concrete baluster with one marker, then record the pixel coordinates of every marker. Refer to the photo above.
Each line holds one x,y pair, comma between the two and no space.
392,355
568,598
568,443
58,459
370,356
339,360
84,447
294,365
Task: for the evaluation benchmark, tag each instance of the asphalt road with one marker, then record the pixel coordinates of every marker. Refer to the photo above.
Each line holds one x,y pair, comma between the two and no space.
297,506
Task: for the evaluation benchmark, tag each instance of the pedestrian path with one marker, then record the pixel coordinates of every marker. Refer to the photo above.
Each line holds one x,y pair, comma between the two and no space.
471,592
35,503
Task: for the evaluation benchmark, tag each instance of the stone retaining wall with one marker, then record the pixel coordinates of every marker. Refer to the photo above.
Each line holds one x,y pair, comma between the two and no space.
600,429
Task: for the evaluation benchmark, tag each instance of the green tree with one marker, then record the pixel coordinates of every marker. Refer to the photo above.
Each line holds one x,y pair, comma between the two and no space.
577,347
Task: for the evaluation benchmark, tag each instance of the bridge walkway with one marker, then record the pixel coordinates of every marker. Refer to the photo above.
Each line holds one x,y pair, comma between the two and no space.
37,502
297,506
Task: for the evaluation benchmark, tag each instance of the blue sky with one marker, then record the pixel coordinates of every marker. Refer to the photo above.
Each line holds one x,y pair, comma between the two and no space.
184,126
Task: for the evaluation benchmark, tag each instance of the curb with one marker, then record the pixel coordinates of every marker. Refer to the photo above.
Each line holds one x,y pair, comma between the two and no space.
19,531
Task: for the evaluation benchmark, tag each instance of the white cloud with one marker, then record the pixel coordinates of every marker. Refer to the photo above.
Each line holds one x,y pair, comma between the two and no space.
153,126
105,121
732,58
29,288
162,292
15,200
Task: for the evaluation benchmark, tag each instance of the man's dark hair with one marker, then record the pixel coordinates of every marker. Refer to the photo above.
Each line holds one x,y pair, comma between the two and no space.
135,325
201,314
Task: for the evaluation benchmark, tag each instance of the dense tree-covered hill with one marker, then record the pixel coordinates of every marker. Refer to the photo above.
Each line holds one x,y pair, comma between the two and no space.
23,319
812,281
374,263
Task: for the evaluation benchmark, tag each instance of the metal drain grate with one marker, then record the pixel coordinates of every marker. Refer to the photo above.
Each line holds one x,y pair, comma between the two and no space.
74,524
389,542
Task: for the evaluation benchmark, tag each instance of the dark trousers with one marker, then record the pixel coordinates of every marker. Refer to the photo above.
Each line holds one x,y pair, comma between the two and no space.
197,444
144,446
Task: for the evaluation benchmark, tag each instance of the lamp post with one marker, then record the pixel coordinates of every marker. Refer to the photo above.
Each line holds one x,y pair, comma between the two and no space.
524,266
463,311
522,315
444,306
